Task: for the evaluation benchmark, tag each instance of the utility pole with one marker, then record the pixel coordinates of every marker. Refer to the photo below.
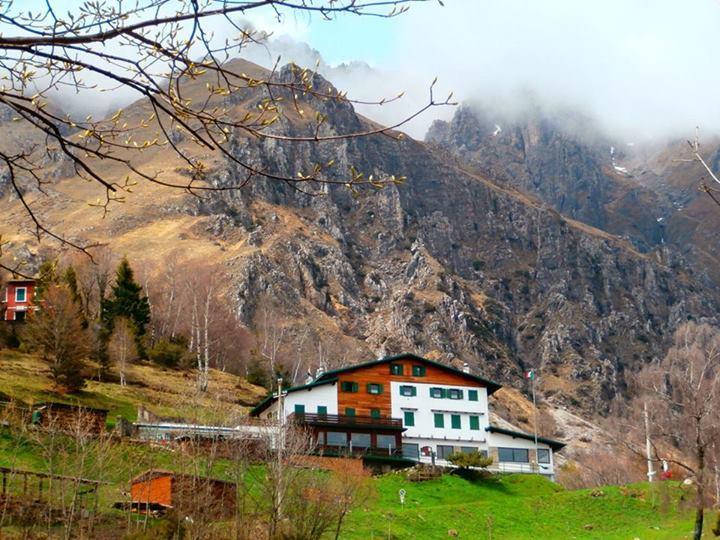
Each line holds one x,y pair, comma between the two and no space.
280,443
535,426
648,448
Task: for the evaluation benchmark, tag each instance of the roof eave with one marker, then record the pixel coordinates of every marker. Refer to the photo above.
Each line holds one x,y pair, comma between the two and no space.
555,445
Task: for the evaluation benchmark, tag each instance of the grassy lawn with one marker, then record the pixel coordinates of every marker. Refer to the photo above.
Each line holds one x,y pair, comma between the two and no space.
519,507
165,392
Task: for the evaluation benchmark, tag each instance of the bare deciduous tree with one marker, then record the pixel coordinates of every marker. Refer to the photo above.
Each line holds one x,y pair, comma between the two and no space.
682,394
56,332
122,346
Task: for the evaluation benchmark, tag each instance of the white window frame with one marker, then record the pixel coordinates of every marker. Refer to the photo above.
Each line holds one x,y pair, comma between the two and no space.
25,294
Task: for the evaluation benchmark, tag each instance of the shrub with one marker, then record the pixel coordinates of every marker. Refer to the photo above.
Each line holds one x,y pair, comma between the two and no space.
468,460
167,353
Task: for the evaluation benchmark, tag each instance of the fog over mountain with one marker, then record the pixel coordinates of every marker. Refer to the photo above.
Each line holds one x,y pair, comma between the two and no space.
642,70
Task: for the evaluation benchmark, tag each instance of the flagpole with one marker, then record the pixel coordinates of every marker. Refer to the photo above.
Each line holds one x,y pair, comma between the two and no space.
537,461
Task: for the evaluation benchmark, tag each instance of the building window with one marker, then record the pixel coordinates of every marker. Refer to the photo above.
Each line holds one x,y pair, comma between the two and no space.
21,294
396,369
407,390
473,395
475,423
439,420
455,393
375,413
321,438
419,371
409,418
386,442
322,410
469,449
513,455
335,438
543,455
18,315
411,450
374,388
443,451
455,421
437,392
360,440
299,409
349,411
349,386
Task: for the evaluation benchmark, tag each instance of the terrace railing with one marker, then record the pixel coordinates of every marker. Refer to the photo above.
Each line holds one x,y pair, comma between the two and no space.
315,419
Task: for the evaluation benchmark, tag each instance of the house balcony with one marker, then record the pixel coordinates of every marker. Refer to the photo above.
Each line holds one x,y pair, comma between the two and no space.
342,421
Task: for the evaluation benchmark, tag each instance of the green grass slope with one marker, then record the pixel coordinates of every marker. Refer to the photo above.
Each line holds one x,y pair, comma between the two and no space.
520,507
165,392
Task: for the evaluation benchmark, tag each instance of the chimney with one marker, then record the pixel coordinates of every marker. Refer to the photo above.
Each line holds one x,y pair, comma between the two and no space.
308,377
319,372
466,367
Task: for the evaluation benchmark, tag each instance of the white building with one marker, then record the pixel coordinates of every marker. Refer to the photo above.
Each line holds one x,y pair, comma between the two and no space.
406,407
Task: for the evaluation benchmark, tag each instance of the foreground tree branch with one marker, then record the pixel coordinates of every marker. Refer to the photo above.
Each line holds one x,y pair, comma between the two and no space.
199,97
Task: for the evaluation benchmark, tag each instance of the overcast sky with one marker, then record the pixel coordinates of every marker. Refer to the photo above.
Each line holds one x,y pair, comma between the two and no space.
641,67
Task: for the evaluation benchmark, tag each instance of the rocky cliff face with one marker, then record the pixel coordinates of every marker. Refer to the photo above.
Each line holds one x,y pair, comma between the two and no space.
561,159
455,263
457,266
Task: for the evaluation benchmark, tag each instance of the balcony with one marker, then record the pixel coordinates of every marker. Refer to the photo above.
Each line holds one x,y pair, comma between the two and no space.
349,451
344,421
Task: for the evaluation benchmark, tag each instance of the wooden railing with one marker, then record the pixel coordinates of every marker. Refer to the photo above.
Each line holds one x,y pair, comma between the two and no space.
345,420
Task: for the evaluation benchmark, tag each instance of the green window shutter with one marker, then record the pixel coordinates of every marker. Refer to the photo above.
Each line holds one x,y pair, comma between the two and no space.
455,421
396,369
475,423
299,409
409,419
375,413
349,411
355,387
413,391
348,386
473,395
439,420
418,371
322,410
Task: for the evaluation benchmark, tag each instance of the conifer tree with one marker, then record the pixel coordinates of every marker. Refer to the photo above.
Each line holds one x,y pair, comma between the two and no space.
126,300
47,277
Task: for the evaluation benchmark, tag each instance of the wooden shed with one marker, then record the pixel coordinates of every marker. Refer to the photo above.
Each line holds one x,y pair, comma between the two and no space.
157,489
67,417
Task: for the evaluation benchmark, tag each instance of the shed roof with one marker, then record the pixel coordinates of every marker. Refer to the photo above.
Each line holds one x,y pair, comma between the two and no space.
151,474
555,445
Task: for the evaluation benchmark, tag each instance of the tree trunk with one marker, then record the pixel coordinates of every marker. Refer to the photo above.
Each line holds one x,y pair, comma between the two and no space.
699,514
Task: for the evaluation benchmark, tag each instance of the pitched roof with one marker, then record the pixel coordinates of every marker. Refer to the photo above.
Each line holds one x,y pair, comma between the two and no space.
332,376
491,385
555,445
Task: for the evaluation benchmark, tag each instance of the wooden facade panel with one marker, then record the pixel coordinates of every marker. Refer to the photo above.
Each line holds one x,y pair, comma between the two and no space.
363,402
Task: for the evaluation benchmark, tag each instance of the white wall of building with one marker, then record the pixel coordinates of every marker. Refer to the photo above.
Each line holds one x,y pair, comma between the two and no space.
311,398
425,407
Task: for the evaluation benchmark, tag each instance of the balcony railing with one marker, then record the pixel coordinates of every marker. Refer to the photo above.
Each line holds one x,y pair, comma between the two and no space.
372,451
314,419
